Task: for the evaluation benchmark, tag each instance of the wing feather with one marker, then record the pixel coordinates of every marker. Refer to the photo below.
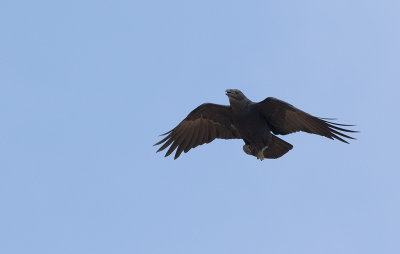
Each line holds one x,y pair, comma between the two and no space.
284,118
204,124
182,141
200,135
213,132
177,141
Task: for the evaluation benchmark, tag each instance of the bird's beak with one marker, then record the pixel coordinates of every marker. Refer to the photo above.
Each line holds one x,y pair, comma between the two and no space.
228,92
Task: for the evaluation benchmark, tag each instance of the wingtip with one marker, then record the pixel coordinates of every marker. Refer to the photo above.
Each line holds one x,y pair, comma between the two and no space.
351,139
165,133
338,124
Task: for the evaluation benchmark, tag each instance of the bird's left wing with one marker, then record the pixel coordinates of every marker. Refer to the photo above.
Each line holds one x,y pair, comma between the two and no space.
284,118
204,124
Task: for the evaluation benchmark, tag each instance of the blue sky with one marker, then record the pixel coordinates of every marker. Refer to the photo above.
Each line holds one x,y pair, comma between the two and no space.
87,87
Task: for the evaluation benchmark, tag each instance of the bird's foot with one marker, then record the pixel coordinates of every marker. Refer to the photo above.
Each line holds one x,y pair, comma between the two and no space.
247,149
260,154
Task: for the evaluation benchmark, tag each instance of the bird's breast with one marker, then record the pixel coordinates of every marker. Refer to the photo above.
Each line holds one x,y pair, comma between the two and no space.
251,126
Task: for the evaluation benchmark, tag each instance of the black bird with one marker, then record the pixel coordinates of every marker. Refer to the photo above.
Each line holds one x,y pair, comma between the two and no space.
250,121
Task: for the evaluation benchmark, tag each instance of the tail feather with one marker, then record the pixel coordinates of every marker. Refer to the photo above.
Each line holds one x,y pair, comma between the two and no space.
277,148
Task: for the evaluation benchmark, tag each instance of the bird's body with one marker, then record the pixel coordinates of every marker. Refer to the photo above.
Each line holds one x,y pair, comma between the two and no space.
250,121
252,128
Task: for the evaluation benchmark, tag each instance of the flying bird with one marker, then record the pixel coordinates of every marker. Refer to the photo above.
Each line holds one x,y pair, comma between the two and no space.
255,123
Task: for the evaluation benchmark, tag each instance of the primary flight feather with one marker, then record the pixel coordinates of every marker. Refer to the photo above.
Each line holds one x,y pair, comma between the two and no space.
250,121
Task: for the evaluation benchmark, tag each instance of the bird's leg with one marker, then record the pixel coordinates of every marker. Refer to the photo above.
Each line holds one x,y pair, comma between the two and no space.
267,139
260,154
250,150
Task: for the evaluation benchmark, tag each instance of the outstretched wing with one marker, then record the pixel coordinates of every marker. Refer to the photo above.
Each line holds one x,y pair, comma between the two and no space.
204,124
284,118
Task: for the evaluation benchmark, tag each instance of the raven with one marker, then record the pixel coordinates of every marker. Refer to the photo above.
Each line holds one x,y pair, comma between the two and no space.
250,121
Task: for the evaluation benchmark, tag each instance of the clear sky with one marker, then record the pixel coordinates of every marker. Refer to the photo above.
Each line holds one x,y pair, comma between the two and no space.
86,87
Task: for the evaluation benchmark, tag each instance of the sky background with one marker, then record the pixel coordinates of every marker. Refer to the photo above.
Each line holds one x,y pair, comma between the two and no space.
86,87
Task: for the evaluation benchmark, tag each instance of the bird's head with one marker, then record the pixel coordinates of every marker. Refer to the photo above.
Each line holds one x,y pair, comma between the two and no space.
237,99
235,94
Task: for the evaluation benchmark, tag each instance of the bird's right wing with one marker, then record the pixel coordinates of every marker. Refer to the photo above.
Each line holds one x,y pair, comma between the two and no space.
204,124
284,118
